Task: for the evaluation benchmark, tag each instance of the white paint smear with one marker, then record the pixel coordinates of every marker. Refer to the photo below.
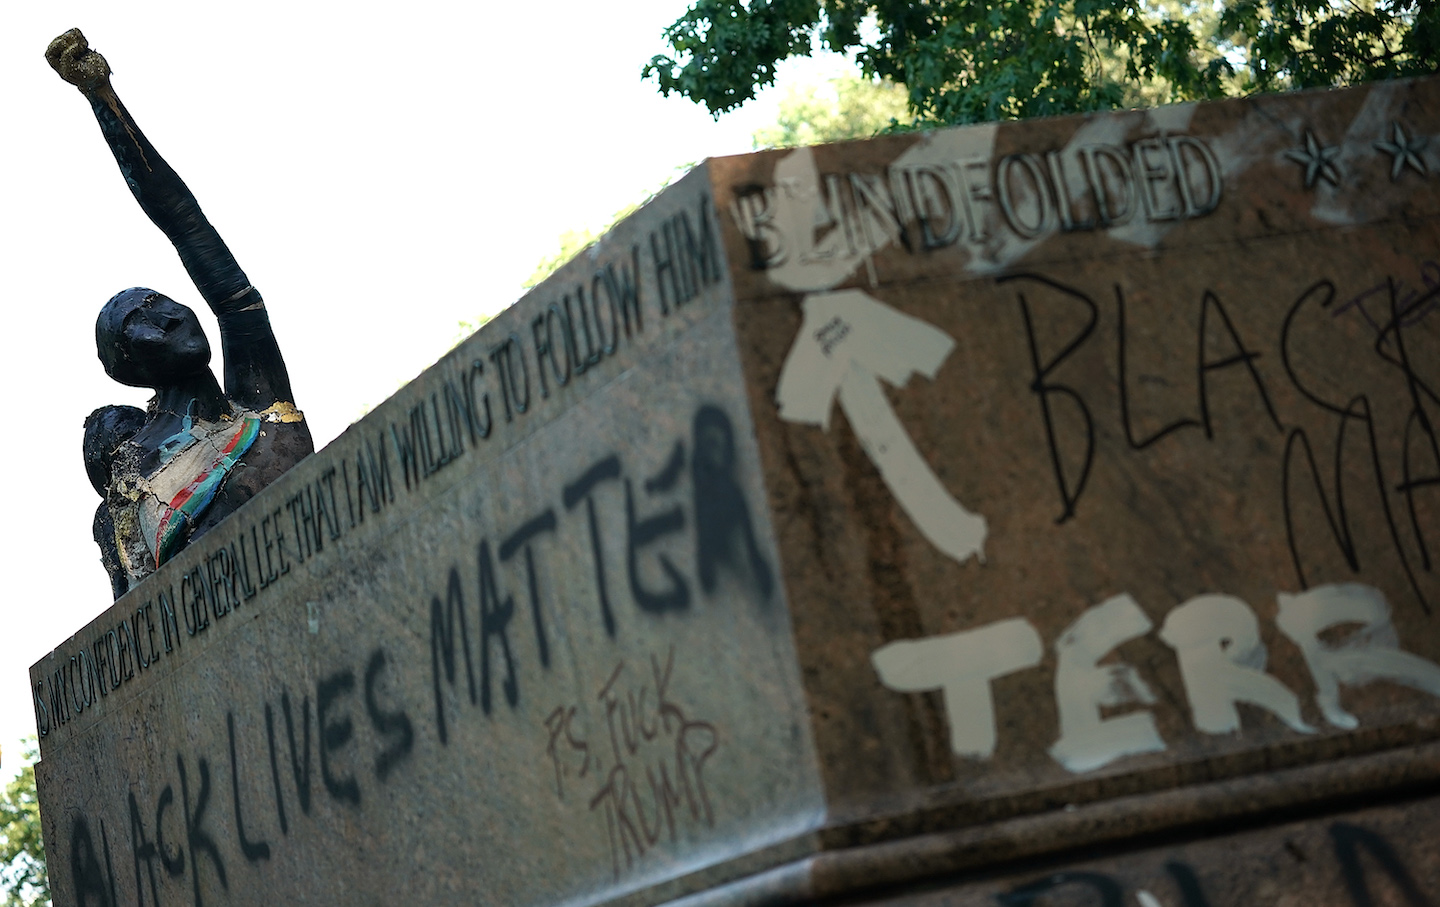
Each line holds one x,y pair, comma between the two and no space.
962,665
820,244
1083,687
1372,652
850,326
820,251
1340,204
943,521
1216,639
1002,247
847,342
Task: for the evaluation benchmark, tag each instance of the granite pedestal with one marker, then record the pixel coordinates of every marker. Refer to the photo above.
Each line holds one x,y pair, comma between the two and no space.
1033,510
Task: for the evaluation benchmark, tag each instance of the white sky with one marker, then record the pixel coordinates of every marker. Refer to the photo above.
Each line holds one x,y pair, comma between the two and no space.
380,177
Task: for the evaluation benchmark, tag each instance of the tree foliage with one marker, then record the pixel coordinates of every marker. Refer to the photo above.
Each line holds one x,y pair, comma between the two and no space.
573,242
847,107
22,852
964,61
1311,43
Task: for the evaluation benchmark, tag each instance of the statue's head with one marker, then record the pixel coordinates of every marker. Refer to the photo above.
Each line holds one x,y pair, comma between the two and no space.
147,339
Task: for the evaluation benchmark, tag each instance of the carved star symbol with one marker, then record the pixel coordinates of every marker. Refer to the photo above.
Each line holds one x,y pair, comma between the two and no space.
1404,151
1317,160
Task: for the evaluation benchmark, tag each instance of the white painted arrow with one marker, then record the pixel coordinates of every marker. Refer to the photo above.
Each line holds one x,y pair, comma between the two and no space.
847,343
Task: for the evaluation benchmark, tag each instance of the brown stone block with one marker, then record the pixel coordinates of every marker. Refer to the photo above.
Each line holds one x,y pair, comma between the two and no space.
945,509
1382,855
1132,408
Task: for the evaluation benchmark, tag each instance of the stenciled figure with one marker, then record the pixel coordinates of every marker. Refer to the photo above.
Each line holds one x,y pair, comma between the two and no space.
201,452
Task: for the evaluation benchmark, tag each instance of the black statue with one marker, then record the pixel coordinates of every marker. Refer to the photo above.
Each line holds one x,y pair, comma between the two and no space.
199,452
106,431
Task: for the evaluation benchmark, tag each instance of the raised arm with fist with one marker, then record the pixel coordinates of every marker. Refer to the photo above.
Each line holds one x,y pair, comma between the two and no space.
202,451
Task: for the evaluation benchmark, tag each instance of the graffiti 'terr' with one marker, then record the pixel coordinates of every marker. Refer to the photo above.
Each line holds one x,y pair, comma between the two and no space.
1216,640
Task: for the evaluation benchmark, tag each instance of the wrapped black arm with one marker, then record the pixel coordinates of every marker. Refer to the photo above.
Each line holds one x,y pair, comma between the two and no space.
168,202
255,373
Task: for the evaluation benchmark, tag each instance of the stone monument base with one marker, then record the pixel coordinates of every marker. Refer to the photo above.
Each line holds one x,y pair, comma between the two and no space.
1033,513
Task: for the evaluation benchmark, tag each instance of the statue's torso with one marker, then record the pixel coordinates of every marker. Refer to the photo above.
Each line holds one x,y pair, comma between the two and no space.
169,489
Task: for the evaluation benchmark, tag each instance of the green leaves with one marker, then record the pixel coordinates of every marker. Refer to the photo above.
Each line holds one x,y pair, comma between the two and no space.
22,852
965,61
1313,43
725,49
845,108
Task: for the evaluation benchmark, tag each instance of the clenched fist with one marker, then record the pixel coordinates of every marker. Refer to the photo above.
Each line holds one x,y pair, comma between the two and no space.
71,56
